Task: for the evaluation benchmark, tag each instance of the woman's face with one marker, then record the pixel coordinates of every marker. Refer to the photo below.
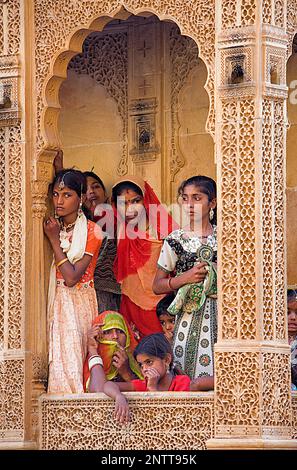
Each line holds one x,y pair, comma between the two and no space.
115,334
196,203
292,318
66,201
95,192
130,206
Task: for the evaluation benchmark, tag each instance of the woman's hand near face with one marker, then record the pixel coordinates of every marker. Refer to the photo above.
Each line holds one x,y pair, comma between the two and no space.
120,360
93,334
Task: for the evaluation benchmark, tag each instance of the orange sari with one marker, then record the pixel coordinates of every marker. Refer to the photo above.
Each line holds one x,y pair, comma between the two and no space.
136,262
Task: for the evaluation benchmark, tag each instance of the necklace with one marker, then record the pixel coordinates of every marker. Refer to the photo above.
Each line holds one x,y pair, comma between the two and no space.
67,227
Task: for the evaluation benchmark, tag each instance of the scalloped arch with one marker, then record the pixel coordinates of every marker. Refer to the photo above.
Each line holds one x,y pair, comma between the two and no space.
48,106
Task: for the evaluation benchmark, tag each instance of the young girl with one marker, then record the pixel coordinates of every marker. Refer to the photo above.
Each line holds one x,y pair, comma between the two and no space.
108,290
154,356
166,319
190,255
72,303
140,235
111,339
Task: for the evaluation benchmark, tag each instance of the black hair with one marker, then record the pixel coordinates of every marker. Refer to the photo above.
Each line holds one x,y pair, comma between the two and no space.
155,345
164,303
124,185
291,295
75,180
207,185
96,177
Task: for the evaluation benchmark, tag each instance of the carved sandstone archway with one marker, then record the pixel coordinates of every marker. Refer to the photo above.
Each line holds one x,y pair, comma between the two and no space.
54,52
60,29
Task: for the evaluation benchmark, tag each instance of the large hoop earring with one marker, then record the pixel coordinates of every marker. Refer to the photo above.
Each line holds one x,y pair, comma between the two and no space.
211,214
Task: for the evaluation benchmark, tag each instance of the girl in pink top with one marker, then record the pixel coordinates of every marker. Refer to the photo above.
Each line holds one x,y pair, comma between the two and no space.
154,356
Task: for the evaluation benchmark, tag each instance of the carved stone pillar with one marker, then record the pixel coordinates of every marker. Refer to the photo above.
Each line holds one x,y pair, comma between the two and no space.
14,360
253,406
38,295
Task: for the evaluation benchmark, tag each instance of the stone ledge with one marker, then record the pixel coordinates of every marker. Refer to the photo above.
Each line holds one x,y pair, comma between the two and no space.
159,420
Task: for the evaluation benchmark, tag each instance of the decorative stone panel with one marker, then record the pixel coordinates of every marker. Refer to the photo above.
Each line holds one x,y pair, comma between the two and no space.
143,118
12,393
163,420
9,99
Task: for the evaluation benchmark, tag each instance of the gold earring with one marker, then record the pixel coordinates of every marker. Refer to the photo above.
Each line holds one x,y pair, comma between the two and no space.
211,214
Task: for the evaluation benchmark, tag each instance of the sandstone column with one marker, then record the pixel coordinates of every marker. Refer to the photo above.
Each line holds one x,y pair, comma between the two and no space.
252,393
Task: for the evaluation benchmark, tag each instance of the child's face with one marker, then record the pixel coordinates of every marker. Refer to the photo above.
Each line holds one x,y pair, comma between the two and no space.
115,334
66,201
147,362
167,322
292,318
195,203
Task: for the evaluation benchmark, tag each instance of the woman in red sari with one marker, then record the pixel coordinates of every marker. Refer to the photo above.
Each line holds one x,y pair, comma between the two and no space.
142,223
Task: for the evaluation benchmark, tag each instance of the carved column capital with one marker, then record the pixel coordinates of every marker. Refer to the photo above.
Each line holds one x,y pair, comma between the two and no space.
39,196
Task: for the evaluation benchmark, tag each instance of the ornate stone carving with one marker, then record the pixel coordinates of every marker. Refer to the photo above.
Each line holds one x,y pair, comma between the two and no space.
16,239
10,36
12,390
2,235
267,221
9,100
241,377
248,12
184,57
196,20
276,405
143,116
294,416
236,400
39,196
233,59
279,252
291,23
104,58
171,421
238,210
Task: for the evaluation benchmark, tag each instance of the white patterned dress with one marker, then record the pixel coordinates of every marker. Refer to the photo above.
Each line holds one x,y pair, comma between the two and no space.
195,330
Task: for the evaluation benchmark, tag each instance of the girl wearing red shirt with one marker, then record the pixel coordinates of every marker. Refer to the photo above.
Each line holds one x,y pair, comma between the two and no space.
154,356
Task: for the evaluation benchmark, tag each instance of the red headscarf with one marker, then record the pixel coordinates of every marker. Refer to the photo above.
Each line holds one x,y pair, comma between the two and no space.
133,254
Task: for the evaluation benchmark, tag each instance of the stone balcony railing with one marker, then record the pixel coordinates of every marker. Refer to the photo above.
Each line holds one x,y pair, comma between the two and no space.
159,420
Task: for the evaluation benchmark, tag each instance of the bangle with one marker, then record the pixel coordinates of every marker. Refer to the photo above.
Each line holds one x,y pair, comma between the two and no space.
95,361
169,283
61,262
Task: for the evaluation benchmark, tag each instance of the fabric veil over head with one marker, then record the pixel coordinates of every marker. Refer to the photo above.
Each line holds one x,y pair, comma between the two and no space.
134,252
106,348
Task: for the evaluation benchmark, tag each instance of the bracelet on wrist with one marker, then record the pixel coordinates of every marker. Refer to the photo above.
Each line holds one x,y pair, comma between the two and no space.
61,262
95,361
169,283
